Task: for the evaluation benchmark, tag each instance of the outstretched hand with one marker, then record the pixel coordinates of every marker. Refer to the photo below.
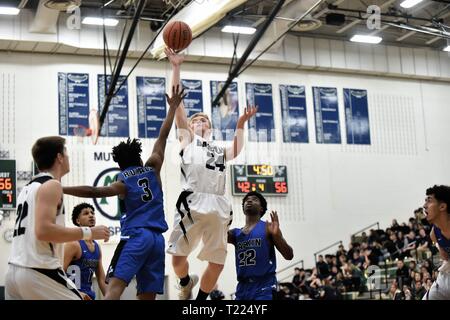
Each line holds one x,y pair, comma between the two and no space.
176,98
174,58
273,227
248,113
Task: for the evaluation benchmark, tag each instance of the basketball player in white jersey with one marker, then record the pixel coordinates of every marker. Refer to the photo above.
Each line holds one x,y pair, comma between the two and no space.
202,210
35,264
437,210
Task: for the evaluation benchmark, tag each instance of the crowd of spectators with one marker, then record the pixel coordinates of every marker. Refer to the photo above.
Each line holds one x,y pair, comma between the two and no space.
406,247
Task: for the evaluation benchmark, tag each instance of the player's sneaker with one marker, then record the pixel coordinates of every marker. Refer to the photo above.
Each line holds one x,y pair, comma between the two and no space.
186,291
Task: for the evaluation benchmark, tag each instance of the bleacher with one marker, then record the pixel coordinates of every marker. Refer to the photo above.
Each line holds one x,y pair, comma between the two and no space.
377,284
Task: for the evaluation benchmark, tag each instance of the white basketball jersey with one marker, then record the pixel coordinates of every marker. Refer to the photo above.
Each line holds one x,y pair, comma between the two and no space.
203,167
26,250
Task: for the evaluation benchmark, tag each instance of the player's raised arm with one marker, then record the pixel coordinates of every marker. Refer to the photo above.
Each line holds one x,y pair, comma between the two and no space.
238,142
181,119
273,229
157,157
115,189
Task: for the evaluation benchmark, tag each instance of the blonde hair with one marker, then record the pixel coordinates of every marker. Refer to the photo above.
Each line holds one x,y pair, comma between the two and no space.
200,114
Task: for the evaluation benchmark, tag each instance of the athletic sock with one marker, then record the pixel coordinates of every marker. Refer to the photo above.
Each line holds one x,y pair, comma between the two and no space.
202,295
184,281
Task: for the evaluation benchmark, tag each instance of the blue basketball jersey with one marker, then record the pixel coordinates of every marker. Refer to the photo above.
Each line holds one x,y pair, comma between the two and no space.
143,204
88,264
255,255
444,243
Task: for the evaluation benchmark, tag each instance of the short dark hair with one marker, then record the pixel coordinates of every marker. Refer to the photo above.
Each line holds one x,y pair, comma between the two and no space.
46,149
77,210
441,193
128,154
262,200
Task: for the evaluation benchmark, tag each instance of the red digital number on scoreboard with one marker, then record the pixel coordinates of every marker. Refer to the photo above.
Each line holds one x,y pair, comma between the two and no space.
5,184
244,186
280,187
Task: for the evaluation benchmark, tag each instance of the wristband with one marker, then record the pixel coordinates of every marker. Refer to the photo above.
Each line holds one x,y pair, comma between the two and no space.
87,233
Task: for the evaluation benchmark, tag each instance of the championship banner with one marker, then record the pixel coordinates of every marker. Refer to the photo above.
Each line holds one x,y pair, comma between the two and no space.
73,98
193,102
224,116
261,126
357,116
326,113
102,171
151,105
293,111
116,121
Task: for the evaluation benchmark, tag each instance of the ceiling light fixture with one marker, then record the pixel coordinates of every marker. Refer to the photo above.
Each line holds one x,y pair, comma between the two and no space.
237,29
409,3
366,39
99,21
9,11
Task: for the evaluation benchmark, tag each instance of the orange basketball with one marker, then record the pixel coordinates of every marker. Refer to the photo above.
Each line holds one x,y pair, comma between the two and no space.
177,35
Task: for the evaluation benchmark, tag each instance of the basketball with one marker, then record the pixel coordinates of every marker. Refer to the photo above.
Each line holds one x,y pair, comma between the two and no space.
177,35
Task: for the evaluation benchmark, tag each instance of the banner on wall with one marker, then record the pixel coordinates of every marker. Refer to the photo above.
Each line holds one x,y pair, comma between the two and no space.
193,102
326,113
116,122
357,116
73,96
224,116
151,105
293,111
261,126
102,171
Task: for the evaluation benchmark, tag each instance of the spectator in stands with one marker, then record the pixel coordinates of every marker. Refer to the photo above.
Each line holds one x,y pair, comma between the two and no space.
352,277
412,266
423,244
417,277
327,292
364,237
407,293
334,261
329,261
322,268
428,283
425,274
373,236
428,265
421,218
357,260
341,251
418,290
409,244
391,247
339,283
342,260
394,292
370,258
402,274
400,244
299,277
395,226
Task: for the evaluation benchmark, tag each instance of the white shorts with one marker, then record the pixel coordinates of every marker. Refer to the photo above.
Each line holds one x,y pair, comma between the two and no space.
201,216
29,284
440,290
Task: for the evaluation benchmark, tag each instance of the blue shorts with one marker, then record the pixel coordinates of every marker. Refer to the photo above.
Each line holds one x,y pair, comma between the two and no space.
257,288
141,255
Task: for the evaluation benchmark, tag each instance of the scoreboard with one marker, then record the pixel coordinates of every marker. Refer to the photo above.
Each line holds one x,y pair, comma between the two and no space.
265,179
7,184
